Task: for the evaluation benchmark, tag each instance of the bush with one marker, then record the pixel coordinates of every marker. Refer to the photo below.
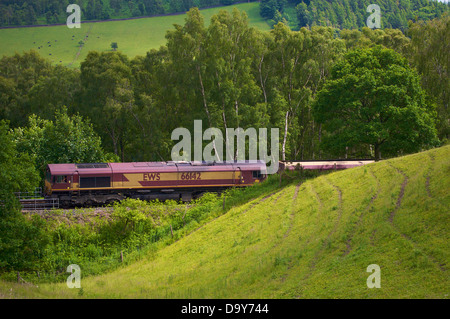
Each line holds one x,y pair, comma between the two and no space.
22,242
134,228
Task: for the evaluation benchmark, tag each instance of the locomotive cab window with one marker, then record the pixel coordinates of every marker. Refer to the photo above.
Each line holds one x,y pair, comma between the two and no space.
257,174
61,179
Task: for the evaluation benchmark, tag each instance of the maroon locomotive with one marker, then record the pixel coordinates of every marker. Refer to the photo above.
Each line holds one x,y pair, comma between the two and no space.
104,183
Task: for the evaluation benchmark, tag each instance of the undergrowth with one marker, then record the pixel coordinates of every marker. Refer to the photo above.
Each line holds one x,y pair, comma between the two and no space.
101,240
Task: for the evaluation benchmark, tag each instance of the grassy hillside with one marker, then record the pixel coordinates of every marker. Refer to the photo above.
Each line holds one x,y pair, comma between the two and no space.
313,240
134,37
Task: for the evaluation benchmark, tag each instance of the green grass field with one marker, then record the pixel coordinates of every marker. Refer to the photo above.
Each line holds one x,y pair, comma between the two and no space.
134,37
312,240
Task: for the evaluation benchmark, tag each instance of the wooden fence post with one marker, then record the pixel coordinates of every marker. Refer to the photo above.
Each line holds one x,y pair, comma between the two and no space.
121,256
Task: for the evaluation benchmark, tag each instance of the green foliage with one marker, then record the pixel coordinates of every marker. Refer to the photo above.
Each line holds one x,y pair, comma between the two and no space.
375,99
49,243
230,75
66,139
21,241
29,84
225,73
50,12
269,8
353,14
108,99
17,172
18,75
390,38
127,219
429,53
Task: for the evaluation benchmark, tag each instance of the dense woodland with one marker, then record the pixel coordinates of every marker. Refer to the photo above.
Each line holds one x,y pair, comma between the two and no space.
22,12
351,14
228,75
346,14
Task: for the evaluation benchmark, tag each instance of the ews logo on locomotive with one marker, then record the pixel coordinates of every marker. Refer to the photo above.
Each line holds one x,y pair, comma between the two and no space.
152,177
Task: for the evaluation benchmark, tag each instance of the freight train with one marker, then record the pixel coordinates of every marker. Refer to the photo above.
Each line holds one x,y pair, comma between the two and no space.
105,183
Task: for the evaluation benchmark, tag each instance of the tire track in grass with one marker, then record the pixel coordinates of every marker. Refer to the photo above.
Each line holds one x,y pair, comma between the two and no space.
428,181
362,215
398,204
319,201
281,193
291,223
316,257
402,193
428,175
246,210
336,224
262,200
278,197
86,37
291,216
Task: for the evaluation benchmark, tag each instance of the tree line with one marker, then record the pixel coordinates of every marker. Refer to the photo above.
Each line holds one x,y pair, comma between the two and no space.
230,75
352,14
22,12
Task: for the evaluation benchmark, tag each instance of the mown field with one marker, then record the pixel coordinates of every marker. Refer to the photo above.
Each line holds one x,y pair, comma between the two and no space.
307,240
134,37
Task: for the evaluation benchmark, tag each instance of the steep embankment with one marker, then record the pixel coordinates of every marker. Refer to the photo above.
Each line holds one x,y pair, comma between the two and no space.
313,240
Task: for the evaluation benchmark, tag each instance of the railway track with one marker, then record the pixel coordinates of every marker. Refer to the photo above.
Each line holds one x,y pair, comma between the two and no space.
39,204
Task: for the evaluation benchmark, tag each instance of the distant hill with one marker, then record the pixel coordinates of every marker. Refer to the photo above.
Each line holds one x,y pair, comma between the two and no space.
61,45
351,14
38,12
312,240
